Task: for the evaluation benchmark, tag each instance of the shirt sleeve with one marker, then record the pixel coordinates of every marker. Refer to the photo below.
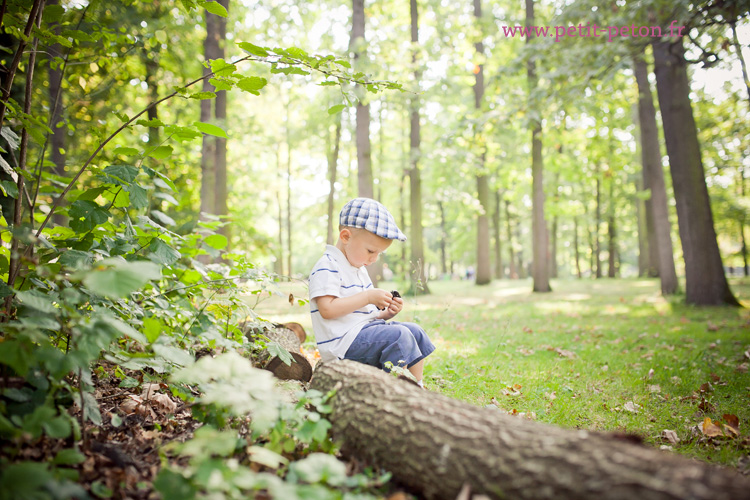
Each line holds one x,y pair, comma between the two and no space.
325,279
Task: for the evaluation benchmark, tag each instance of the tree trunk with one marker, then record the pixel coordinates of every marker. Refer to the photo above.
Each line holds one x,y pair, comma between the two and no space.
539,234
553,250
333,159
512,272
436,445
289,336
597,251
211,51
357,46
288,191
705,282
418,277
443,238
498,238
575,247
220,119
279,267
743,249
484,272
640,215
56,106
653,179
612,232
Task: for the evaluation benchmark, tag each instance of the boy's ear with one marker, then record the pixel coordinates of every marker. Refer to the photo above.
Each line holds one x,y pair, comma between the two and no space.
345,234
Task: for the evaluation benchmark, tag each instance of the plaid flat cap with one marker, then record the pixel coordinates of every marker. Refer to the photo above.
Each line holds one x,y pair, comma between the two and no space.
370,215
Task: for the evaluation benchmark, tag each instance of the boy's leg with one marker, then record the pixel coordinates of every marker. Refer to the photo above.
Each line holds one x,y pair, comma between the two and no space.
423,342
417,369
380,342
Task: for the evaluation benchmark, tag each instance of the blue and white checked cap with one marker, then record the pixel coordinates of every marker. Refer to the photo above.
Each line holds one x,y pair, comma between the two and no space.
370,215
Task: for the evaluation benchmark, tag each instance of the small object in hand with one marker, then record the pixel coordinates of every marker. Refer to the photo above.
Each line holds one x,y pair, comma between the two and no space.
395,294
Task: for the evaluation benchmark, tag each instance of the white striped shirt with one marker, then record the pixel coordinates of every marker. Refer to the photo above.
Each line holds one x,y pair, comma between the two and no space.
334,275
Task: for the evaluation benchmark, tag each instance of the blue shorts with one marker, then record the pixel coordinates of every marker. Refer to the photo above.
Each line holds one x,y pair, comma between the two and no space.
403,344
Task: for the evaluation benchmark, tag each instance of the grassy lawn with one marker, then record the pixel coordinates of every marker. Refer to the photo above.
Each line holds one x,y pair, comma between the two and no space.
608,355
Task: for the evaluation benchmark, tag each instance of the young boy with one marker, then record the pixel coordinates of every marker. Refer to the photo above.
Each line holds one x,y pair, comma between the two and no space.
350,317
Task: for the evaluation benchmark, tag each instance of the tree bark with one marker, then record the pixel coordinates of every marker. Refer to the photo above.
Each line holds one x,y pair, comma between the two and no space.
597,250
612,232
220,118
512,272
653,180
289,336
57,104
553,250
364,165
443,238
705,282
211,51
436,445
288,190
484,272
498,238
575,248
640,215
539,234
333,159
418,276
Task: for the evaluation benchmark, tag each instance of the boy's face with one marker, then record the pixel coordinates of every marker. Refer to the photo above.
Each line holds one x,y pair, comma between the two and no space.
361,247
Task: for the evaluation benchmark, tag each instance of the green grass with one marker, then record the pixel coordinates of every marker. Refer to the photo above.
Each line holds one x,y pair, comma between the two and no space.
583,354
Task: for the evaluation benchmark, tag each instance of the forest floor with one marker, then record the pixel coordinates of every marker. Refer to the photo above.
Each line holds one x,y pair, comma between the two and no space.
609,355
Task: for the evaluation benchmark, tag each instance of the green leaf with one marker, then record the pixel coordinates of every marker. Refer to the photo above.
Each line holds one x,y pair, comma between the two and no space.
319,468
86,215
174,355
160,152
9,189
343,63
252,84
162,253
69,456
153,123
277,350
174,486
253,49
138,196
122,279
211,129
328,84
336,109
217,241
58,427
163,218
36,300
92,193
152,328
101,490
202,95
126,151
53,13
216,8
76,259
115,419
220,67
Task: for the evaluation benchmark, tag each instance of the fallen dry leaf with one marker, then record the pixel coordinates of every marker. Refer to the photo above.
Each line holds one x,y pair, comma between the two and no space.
714,377
164,402
712,327
632,407
654,388
705,406
670,436
565,353
732,423
710,429
650,374
707,387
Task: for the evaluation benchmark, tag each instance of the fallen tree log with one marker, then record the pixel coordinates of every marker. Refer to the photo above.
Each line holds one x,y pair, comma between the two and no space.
299,369
436,445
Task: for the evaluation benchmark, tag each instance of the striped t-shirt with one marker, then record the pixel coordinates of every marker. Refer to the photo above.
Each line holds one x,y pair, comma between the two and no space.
334,275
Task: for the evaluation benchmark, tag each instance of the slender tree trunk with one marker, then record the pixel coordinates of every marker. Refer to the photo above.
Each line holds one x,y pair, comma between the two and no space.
742,225
612,232
653,180
57,105
738,49
553,249
288,191
538,223
575,247
438,446
512,272
484,271
640,215
443,238
597,251
419,280
705,282
280,213
333,159
357,46
522,272
208,154
498,238
220,117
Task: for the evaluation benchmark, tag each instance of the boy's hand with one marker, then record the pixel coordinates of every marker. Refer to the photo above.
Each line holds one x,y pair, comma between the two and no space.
397,303
379,298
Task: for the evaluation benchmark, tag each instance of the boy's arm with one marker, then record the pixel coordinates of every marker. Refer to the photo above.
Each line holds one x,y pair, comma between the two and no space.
332,307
